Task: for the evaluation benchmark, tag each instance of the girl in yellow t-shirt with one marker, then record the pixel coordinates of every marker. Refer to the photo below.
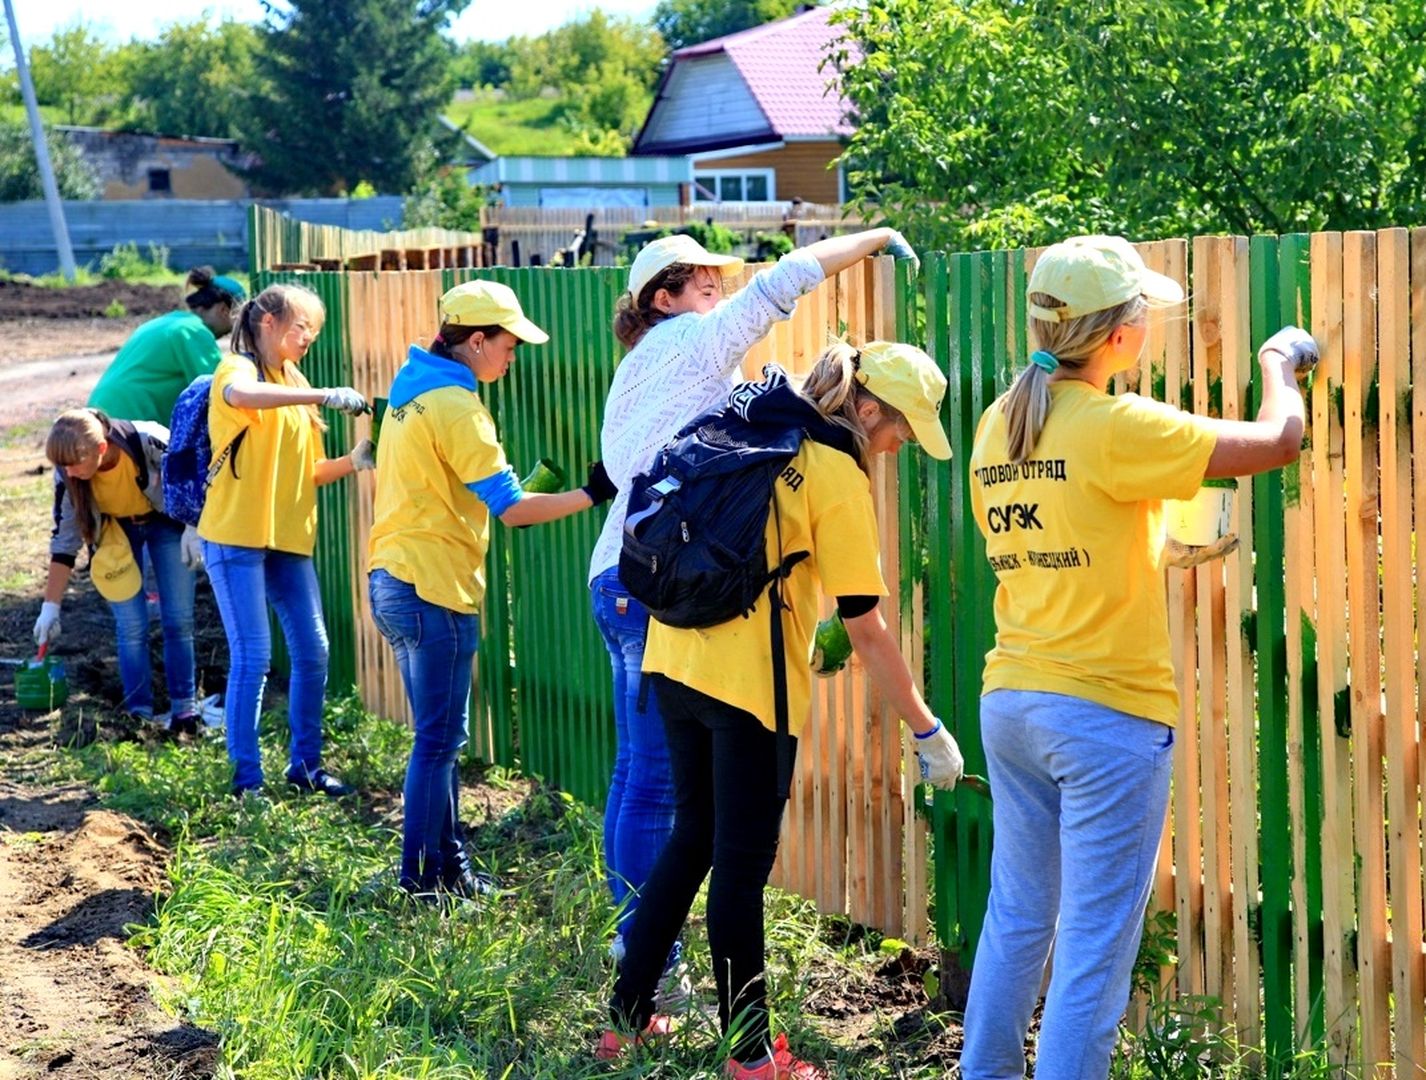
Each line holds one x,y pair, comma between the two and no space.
259,524
715,688
442,477
1079,697
109,494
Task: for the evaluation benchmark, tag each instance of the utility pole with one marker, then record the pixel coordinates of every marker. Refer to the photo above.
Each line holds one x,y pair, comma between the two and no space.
42,152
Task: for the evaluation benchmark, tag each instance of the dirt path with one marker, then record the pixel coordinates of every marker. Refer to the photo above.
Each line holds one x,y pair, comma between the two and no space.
35,391
74,1000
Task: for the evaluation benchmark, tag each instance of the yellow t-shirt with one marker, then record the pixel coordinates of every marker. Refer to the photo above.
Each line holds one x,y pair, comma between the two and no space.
116,491
272,502
1076,538
826,507
430,530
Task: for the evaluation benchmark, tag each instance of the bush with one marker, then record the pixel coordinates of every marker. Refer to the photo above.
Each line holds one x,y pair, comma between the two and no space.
125,263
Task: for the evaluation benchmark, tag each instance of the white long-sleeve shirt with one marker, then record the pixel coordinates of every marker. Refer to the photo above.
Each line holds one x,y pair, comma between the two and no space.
685,366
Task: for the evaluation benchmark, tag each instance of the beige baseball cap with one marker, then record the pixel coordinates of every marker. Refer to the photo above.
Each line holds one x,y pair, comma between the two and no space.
488,303
907,379
658,255
1091,273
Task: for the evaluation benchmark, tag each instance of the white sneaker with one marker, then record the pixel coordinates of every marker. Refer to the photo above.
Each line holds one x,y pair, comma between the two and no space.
210,711
616,949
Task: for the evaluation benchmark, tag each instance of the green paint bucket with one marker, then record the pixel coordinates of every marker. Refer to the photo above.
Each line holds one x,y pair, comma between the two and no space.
545,478
41,684
831,646
378,413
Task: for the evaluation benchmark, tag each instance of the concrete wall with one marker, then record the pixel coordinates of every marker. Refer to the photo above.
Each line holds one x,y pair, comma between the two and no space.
195,231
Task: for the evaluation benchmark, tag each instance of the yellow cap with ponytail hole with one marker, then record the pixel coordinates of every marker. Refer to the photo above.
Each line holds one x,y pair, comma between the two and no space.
908,380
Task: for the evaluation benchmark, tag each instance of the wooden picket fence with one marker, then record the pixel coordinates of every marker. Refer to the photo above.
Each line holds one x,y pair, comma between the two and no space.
851,840
278,242
1293,856
520,233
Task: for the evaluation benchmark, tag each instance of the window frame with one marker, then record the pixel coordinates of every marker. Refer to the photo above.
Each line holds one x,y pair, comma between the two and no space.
718,175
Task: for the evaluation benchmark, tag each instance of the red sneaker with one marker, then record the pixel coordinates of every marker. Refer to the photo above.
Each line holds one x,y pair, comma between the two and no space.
782,1066
613,1044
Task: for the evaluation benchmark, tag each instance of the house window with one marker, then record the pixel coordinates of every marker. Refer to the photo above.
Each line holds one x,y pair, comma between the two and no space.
160,180
734,185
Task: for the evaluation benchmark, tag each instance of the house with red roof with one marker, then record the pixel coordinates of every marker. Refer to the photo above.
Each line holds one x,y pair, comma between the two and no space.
757,112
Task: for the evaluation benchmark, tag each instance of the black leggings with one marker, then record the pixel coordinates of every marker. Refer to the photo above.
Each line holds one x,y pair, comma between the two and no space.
727,818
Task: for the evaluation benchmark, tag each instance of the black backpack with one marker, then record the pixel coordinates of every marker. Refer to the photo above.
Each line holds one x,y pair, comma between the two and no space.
695,550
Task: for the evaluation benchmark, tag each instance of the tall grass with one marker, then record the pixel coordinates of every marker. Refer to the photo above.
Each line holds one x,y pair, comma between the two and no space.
282,930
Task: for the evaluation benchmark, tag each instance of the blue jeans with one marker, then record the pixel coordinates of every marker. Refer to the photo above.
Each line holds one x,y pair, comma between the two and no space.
1080,796
158,538
638,813
245,581
434,648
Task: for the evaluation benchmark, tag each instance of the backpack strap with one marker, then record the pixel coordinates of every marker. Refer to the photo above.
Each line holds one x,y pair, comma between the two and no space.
779,657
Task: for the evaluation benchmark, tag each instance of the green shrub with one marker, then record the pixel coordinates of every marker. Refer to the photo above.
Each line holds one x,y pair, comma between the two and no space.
125,263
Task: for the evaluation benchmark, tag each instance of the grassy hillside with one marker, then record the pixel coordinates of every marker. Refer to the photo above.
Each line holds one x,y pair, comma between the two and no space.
512,127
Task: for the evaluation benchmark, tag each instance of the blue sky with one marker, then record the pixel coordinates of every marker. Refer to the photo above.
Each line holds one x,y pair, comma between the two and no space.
120,20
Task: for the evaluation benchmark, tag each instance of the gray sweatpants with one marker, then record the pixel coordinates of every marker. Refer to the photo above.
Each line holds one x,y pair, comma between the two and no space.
1080,793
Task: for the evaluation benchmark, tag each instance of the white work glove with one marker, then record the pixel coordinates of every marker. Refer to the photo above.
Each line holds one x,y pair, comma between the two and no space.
1294,343
940,758
345,399
898,248
47,625
1185,555
190,548
363,455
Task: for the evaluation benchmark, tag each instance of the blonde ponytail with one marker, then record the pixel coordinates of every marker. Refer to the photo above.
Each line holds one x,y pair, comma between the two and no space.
832,386
1026,405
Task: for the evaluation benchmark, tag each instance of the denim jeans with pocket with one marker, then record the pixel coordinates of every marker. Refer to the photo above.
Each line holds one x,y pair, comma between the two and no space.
434,648
638,811
1080,796
157,537
245,581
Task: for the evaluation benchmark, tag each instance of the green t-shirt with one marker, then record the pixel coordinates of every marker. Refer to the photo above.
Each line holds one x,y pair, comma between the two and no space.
162,357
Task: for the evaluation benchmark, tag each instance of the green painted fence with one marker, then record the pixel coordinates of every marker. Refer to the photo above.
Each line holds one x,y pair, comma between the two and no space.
1303,954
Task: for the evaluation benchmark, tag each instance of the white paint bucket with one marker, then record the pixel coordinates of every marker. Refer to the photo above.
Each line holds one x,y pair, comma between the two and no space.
1206,517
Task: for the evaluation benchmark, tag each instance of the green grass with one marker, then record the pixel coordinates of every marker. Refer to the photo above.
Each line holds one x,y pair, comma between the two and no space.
276,937
282,931
15,113
515,127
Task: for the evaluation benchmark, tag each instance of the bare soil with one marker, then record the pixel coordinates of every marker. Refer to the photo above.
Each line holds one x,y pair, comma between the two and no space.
73,998
19,300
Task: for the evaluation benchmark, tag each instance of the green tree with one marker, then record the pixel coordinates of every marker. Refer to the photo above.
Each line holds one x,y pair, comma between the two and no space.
482,63
987,124
194,80
20,175
74,71
351,91
606,67
687,22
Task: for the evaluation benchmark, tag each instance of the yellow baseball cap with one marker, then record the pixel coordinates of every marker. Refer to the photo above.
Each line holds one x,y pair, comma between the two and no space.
907,379
658,255
1091,273
112,567
488,303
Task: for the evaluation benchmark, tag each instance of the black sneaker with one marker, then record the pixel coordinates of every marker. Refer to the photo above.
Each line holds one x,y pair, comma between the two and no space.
319,780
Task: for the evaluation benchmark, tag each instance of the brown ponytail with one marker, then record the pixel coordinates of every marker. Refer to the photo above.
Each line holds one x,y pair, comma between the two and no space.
75,435
451,335
635,318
